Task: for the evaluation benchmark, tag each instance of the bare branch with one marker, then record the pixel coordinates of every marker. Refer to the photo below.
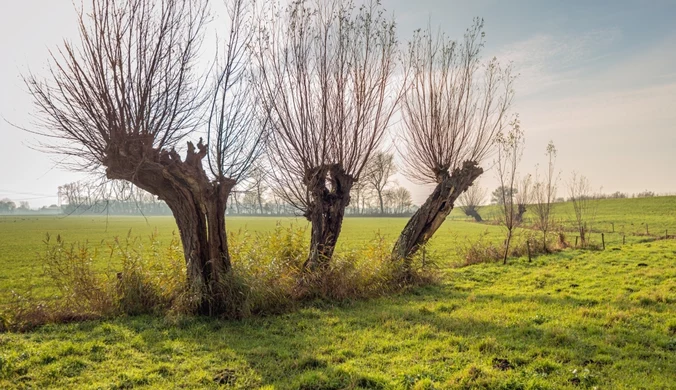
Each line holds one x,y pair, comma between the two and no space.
510,150
324,77
455,105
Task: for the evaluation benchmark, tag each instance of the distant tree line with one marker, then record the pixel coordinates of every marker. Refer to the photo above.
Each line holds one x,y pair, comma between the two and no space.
8,206
255,195
110,197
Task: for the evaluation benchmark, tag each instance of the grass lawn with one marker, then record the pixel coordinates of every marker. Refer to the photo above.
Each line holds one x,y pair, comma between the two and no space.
575,319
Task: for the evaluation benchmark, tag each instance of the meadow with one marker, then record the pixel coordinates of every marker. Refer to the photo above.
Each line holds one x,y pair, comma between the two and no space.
572,319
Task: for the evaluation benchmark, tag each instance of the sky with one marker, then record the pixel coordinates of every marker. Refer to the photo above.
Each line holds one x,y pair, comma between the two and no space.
596,78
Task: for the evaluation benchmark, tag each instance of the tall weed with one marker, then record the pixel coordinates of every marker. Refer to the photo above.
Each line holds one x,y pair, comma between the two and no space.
131,276
487,250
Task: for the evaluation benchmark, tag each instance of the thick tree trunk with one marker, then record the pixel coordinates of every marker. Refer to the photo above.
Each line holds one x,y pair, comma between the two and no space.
198,205
326,212
521,211
429,217
382,204
474,213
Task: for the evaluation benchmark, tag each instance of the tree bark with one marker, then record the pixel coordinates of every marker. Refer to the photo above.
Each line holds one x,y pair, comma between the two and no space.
521,211
198,205
472,212
326,212
429,217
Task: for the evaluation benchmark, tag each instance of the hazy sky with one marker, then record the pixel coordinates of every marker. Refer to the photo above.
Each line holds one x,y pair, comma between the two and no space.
598,79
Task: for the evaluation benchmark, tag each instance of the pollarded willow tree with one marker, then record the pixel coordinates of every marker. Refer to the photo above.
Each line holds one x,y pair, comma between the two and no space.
324,75
125,97
523,196
452,111
472,200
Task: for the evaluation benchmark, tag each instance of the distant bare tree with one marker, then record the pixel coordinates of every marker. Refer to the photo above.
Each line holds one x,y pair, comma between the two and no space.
452,111
358,196
250,202
324,75
510,150
402,199
389,199
85,196
585,205
544,195
258,185
235,199
523,196
472,200
125,97
107,196
379,169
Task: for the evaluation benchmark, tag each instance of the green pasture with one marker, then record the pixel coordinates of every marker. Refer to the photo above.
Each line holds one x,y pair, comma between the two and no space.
22,238
627,216
640,216
576,319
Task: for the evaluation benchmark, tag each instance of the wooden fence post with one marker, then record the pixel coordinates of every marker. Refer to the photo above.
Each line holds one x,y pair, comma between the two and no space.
624,239
603,240
576,237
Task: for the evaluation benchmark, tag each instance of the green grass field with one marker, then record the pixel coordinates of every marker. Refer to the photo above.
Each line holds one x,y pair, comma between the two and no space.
23,237
617,216
575,319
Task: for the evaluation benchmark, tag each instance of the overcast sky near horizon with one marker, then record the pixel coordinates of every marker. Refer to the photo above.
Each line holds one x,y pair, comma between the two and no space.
597,78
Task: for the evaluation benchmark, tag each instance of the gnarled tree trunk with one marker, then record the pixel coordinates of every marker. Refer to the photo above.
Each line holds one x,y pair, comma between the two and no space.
429,217
326,211
520,212
474,213
198,204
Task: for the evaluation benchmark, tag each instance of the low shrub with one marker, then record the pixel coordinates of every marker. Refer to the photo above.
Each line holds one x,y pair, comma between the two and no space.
486,250
481,250
137,279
